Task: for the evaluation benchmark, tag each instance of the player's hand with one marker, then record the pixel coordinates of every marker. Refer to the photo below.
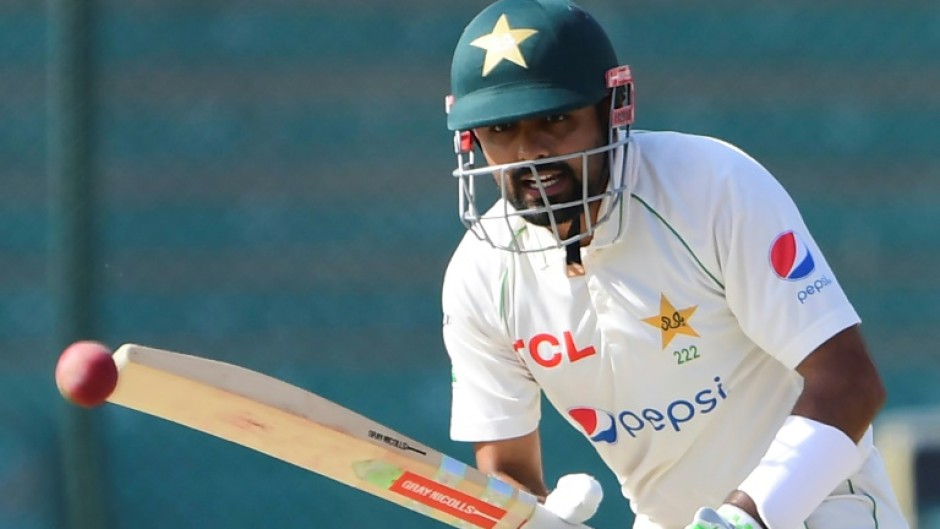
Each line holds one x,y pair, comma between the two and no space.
726,517
575,498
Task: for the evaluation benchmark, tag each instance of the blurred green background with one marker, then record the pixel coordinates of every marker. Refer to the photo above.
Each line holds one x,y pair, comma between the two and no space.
268,183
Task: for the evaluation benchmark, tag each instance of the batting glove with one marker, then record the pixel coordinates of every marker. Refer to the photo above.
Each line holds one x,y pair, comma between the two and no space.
726,517
543,518
575,498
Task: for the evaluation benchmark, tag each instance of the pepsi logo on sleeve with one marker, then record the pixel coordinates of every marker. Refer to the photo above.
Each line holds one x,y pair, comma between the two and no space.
790,257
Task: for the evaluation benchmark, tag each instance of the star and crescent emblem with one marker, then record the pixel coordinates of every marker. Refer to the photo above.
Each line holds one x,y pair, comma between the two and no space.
672,321
503,44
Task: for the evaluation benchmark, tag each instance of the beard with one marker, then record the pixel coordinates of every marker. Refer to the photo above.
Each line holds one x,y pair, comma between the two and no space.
521,201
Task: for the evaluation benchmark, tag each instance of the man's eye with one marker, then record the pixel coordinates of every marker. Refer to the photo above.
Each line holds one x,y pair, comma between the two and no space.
556,118
501,127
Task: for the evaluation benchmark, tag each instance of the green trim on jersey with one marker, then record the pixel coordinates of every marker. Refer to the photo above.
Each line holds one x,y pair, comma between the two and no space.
504,287
503,294
515,238
874,503
681,240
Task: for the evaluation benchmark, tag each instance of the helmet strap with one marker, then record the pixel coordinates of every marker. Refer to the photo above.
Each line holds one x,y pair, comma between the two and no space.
573,265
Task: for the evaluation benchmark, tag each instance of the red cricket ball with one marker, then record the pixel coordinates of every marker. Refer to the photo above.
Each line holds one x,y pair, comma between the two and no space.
86,374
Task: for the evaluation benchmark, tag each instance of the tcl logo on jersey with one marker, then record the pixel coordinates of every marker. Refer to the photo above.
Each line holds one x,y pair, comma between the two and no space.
546,349
602,426
790,257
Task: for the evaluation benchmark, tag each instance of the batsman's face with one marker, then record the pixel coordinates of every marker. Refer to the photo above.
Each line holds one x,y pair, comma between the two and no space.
546,137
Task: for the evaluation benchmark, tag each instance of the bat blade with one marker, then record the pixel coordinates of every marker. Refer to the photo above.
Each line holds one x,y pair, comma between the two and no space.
297,426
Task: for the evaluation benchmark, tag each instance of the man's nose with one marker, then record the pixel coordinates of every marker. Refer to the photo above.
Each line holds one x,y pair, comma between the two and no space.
533,144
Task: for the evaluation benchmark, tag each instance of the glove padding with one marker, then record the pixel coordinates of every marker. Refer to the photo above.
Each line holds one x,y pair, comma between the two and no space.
726,517
575,498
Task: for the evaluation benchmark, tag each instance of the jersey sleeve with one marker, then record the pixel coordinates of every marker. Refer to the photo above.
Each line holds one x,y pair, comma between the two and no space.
777,281
494,396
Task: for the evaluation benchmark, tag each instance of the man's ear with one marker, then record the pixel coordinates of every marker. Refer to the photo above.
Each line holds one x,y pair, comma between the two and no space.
603,114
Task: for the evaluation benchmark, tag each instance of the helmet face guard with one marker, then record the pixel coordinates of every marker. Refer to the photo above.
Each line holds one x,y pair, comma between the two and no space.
522,59
482,220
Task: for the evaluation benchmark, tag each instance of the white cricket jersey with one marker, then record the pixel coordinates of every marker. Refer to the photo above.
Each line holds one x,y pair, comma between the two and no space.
674,353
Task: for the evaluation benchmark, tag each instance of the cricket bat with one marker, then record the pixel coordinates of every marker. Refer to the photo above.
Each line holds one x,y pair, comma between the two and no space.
289,423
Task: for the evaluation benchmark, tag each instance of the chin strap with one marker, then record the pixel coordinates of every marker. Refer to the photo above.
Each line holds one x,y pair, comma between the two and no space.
573,266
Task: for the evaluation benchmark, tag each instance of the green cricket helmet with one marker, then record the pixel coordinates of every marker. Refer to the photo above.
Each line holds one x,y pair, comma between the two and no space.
520,59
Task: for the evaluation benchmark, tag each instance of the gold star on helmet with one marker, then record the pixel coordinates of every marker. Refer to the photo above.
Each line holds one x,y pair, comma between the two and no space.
672,321
502,43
